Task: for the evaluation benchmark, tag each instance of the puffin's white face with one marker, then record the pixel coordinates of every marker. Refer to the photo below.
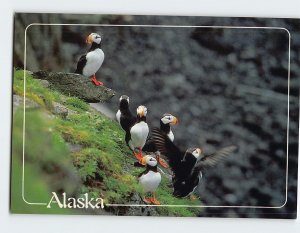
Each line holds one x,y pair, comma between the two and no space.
93,37
169,119
124,97
197,152
149,160
141,111
152,162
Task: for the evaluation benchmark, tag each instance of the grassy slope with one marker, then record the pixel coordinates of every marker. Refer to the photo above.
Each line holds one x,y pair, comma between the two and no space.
104,163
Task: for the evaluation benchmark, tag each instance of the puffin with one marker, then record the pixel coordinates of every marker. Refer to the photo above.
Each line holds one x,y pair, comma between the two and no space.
123,115
138,133
187,165
150,179
91,62
165,126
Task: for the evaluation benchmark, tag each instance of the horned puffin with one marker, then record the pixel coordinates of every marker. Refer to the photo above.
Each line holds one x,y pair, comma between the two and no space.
137,135
123,115
186,186
91,62
187,166
150,179
165,126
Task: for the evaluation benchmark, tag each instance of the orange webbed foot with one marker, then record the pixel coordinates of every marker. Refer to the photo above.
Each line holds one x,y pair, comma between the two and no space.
95,81
154,201
162,162
147,200
139,156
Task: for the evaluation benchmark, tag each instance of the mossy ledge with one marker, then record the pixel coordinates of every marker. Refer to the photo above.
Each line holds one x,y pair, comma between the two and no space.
83,151
75,85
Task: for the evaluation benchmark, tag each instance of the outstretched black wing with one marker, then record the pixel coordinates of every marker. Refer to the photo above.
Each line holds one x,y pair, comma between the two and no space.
150,145
167,148
80,64
212,159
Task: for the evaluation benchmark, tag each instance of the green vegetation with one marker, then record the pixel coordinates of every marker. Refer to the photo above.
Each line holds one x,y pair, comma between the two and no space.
103,163
75,103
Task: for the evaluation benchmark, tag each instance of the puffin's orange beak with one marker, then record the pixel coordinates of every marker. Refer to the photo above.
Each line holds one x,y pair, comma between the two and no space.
199,151
89,39
143,161
174,121
141,112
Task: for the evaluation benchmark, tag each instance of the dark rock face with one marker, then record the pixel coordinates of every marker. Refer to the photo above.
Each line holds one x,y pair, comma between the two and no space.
75,85
226,86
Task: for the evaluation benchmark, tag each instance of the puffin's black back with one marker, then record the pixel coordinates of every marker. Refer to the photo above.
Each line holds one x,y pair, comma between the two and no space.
127,120
80,64
186,166
184,187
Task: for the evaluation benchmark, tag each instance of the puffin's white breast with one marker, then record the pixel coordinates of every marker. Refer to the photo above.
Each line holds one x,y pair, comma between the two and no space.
94,60
118,115
150,181
139,133
171,136
199,178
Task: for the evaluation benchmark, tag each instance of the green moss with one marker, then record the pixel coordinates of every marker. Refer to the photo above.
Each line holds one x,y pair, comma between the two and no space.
104,163
36,191
46,161
100,170
33,89
76,104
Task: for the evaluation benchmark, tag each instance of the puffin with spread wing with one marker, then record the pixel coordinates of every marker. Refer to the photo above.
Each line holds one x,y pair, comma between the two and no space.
187,166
